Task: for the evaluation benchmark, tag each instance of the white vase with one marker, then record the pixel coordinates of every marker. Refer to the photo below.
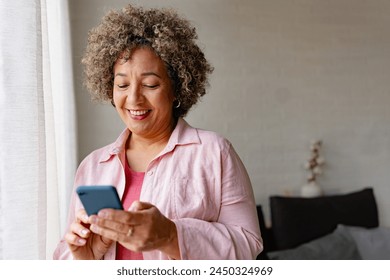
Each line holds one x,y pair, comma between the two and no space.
311,189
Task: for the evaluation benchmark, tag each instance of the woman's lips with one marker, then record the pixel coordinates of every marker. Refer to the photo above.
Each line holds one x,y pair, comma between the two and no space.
139,114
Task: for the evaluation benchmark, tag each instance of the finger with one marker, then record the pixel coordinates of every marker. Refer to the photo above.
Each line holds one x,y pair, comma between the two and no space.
73,239
130,242
119,227
107,233
82,216
139,205
125,217
80,230
127,241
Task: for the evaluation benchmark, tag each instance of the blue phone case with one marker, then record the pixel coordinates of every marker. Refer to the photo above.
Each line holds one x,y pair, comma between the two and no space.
95,198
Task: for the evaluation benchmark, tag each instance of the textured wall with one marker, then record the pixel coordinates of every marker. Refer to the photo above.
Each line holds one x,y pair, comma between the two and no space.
286,72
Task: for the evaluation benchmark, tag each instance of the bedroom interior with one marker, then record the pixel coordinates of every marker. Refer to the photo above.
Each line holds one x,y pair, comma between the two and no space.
286,73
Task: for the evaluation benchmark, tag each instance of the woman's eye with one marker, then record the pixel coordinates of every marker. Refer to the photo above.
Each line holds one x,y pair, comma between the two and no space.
151,86
122,86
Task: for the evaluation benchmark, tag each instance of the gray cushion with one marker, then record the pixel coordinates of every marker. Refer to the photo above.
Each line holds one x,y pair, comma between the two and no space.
373,244
338,245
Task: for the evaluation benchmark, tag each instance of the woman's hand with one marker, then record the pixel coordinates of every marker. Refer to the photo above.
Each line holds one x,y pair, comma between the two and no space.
142,228
84,244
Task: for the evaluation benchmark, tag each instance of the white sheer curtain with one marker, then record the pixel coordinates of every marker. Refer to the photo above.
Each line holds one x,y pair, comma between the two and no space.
38,131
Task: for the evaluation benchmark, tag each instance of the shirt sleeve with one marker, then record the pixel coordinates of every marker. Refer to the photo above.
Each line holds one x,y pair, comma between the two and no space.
236,233
62,251
86,174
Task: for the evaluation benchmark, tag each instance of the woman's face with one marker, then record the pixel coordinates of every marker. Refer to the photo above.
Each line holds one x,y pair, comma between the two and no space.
143,94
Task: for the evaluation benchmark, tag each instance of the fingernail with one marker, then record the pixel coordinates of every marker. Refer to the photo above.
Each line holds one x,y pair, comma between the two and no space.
81,241
134,206
93,219
94,228
102,214
84,232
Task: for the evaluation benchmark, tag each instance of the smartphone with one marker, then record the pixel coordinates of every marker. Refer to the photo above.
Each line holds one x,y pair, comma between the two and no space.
95,198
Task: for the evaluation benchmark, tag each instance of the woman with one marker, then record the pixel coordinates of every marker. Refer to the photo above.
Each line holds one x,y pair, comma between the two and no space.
185,192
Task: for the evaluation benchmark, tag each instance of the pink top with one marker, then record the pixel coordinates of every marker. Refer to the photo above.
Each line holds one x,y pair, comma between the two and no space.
132,193
198,181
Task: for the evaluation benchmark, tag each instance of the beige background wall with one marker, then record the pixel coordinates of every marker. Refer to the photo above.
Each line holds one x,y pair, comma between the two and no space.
286,72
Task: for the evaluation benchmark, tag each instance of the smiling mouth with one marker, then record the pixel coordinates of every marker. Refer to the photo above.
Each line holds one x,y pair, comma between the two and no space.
139,112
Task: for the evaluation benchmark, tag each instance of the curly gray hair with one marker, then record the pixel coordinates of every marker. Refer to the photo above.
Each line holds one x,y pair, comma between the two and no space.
171,37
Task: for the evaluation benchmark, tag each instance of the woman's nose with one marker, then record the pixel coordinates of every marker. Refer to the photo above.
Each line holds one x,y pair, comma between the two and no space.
134,94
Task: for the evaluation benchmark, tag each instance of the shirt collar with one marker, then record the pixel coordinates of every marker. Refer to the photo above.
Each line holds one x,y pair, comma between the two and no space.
183,134
115,148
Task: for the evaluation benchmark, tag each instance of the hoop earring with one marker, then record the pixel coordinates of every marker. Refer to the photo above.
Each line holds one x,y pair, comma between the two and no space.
178,104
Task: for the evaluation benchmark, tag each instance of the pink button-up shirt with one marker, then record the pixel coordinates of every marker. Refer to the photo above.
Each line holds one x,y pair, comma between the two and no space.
198,181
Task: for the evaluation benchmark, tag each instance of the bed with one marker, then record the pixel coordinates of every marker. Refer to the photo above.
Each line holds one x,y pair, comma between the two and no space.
337,227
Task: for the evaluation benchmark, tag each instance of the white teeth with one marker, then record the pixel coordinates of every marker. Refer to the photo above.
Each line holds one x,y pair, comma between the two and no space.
138,113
